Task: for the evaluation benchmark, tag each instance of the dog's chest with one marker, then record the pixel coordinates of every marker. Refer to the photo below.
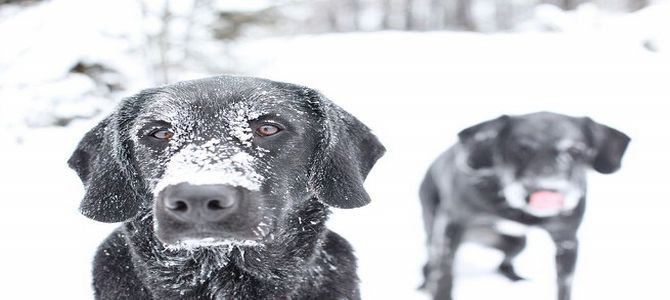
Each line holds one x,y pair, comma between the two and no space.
488,230
216,278
195,277
508,227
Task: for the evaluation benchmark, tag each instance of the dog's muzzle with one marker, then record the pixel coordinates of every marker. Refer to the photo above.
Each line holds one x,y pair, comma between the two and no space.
546,199
188,215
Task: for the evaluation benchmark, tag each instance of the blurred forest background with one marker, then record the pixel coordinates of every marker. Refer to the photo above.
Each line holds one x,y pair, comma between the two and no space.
71,52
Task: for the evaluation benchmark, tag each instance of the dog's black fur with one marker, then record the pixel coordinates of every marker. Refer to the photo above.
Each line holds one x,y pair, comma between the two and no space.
280,247
486,179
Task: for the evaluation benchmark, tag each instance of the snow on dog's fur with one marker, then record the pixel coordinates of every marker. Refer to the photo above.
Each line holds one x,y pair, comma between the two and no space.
273,243
505,175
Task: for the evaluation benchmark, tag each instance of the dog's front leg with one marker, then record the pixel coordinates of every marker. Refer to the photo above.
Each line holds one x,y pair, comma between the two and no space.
441,275
566,259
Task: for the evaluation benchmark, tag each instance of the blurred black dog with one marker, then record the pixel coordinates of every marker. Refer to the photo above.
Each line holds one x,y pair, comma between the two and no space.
223,185
509,173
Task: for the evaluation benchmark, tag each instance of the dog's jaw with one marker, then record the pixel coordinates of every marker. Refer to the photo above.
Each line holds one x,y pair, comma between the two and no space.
195,244
263,234
515,193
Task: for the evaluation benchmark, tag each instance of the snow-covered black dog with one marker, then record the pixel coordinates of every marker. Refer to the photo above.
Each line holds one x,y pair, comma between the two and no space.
509,173
223,187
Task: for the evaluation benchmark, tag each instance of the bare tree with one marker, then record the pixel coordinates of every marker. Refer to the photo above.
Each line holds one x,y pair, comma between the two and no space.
386,14
157,44
332,15
504,14
409,14
164,42
191,23
464,15
355,7
437,14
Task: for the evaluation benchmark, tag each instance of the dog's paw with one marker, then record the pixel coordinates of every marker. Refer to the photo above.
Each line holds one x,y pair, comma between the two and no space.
508,271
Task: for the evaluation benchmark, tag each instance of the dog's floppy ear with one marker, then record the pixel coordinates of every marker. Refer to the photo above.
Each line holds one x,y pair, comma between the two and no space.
109,195
480,141
345,154
609,144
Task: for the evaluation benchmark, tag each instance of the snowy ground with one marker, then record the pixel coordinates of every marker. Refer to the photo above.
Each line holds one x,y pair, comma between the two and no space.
416,91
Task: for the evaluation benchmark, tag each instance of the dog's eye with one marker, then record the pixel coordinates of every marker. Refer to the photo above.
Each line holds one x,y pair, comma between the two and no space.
267,130
162,134
575,151
524,150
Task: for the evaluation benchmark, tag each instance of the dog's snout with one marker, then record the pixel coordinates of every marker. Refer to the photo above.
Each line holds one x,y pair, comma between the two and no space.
200,203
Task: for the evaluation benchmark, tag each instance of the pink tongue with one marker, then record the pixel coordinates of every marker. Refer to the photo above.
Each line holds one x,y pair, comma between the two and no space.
546,200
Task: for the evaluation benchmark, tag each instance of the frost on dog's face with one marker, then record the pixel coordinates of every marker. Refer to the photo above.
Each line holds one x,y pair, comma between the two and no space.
237,139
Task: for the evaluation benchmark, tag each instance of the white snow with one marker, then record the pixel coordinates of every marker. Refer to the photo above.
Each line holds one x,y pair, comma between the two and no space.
192,244
42,44
416,90
238,120
511,228
203,164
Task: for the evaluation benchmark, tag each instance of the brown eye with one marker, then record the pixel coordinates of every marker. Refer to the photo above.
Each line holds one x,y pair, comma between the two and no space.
267,130
162,134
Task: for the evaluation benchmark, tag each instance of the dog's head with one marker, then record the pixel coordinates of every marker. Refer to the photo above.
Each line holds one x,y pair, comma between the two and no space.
223,159
541,158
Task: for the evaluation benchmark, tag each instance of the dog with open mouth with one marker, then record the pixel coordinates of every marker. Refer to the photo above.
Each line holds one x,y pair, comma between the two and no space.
224,186
505,175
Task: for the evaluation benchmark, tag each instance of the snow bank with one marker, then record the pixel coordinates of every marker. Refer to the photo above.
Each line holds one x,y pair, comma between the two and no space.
48,50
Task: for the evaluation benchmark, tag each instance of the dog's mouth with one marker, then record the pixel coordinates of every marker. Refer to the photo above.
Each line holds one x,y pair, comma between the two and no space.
207,238
546,200
188,216
542,201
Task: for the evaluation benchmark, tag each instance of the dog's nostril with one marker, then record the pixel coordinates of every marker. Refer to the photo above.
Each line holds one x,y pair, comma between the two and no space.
215,204
178,205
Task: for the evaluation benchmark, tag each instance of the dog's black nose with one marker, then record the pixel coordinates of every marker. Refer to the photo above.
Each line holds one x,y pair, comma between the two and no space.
200,203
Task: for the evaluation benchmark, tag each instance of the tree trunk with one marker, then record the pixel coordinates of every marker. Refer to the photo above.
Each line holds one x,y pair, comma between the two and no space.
409,14
386,14
164,43
355,15
464,15
332,16
504,14
437,14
